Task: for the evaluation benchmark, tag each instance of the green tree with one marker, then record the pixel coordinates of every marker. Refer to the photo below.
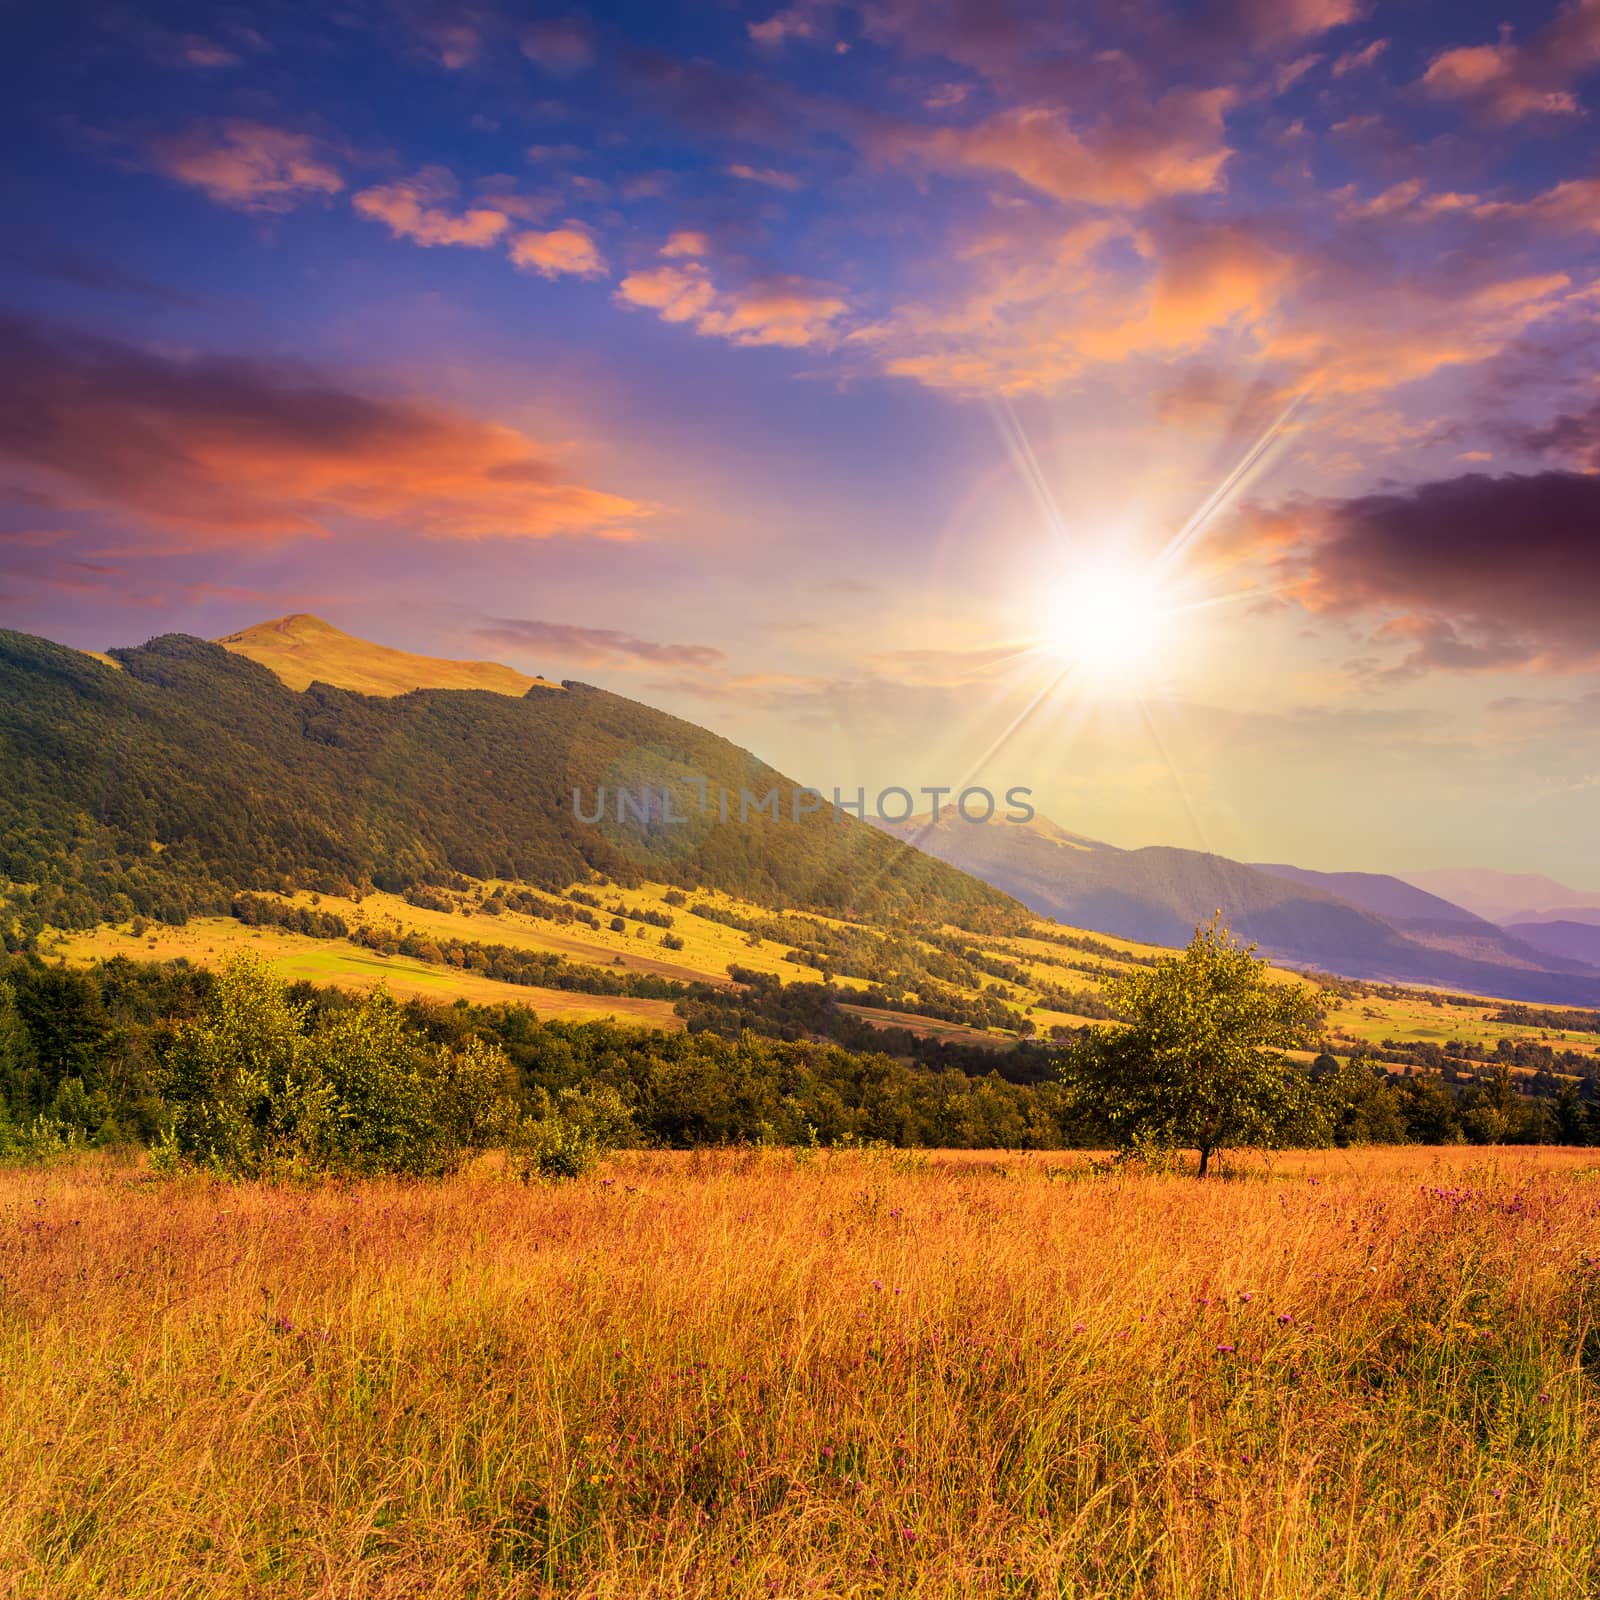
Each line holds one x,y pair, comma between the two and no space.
570,1132
1199,1064
471,1098
235,1079
1355,1104
16,1054
1569,1114
1430,1111
368,1070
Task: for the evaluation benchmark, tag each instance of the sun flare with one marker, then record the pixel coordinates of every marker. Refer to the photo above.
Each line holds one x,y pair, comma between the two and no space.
1108,622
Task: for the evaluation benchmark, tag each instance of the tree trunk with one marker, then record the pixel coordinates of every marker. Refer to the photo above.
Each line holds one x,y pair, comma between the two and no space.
1205,1160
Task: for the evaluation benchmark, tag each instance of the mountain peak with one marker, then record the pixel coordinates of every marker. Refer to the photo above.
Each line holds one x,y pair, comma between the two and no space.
302,649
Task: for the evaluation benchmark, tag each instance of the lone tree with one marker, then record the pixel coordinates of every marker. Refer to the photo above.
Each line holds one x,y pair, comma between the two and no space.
1199,1063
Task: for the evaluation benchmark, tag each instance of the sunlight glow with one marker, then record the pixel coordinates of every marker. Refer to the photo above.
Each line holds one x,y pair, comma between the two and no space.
1109,621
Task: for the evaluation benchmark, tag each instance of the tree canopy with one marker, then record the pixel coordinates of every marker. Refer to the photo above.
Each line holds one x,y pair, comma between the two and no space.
1200,1063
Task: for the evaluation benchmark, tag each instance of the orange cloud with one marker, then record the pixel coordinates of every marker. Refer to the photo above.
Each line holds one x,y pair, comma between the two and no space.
1177,147
416,208
595,646
1038,317
247,165
1273,21
1358,60
214,450
769,176
775,310
567,250
805,20
1571,207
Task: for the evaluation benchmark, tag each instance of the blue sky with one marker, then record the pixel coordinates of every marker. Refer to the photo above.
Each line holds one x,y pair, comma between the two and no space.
806,370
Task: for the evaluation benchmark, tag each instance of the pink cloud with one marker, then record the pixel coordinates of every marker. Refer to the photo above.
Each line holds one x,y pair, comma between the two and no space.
248,166
567,251
1509,81
777,309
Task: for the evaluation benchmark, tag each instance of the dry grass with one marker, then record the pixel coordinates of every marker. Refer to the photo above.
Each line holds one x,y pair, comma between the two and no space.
742,1375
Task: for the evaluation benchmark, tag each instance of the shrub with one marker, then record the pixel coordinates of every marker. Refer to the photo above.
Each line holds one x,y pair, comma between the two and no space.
570,1133
254,1091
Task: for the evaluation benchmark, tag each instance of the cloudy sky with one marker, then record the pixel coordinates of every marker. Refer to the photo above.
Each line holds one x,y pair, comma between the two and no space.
802,371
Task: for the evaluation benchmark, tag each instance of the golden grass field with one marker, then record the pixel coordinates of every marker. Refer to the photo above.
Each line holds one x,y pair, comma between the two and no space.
752,1375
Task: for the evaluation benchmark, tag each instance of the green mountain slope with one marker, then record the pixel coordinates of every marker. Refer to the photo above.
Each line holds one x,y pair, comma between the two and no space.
163,786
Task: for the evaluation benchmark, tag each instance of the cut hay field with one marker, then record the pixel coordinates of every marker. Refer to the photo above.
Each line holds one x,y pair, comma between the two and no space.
858,1374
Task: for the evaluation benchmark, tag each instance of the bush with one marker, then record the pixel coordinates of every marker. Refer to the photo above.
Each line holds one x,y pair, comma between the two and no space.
571,1133
254,1090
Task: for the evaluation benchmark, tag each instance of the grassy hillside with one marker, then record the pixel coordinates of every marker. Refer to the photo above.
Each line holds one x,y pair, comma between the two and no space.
191,772
855,981
302,650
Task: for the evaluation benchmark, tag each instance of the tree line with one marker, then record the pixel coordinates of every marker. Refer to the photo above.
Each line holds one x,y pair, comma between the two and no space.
243,1073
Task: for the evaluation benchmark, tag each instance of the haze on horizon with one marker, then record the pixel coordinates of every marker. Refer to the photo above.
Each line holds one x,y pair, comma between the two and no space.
802,369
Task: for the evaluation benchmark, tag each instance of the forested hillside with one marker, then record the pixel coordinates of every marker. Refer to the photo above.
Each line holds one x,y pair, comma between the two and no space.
161,788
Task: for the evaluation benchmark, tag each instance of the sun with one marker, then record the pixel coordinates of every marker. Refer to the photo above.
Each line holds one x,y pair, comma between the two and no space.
1108,621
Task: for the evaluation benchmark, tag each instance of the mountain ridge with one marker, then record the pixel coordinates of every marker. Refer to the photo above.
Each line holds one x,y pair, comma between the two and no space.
302,649
1158,894
193,772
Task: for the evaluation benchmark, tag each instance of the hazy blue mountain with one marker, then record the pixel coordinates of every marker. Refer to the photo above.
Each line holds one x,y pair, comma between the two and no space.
1160,894
1573,941
1504,897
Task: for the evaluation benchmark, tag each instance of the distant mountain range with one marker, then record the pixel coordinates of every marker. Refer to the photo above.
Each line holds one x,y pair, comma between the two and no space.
1363,925
1509,897
1572,941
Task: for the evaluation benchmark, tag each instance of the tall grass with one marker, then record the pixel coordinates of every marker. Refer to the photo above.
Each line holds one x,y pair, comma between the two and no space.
747,1375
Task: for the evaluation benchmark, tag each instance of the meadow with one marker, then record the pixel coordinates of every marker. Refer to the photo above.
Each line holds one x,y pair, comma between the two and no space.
776,1373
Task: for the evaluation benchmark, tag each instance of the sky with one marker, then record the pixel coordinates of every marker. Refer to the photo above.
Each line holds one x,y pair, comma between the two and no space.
1187,412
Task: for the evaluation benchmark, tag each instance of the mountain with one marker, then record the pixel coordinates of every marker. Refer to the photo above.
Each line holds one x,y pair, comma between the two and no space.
1504,897
1573,941
1158,895
1422,917
193,771
1393,899
302,650
1589,915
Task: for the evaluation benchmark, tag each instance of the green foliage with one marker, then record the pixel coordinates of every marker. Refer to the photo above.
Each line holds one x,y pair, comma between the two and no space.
235,1080
571,1132
1354,1105
1199,1064
254,1088
360,1084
